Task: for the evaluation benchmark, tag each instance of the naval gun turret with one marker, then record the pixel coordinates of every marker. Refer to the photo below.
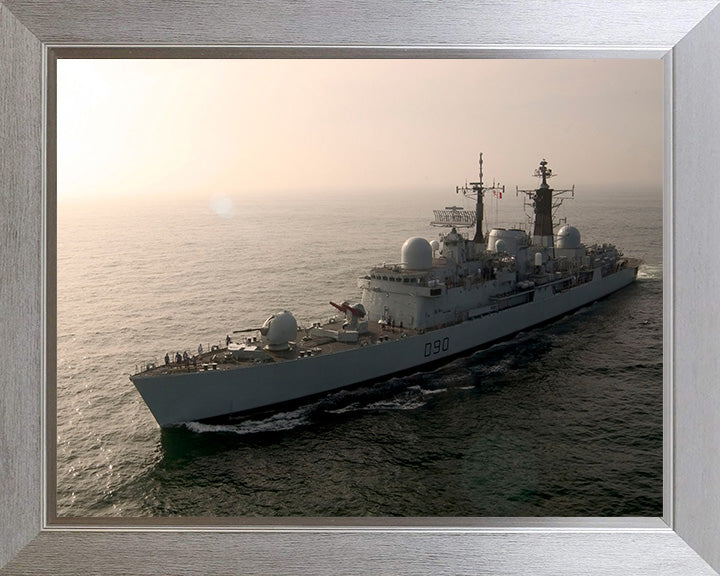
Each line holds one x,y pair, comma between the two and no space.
278,333
279,330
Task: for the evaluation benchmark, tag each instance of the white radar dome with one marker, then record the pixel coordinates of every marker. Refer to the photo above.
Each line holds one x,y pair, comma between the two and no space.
416,254
279,329
568,237
502,240
435,245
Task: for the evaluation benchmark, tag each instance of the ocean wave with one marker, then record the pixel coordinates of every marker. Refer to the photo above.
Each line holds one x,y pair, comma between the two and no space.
280,422
354,407
650,272
160,303
411,403
433,391
410,398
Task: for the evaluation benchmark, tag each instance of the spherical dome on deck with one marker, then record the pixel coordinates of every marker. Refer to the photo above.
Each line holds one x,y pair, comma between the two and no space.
568,237
281,328
416,254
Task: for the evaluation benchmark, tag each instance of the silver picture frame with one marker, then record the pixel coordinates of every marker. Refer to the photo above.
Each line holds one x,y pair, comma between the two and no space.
683,33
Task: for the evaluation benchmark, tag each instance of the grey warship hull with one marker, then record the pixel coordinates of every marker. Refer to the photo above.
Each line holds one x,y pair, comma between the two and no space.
182,396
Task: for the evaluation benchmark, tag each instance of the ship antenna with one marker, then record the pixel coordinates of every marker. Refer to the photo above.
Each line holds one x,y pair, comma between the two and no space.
478,192
479,208
453,216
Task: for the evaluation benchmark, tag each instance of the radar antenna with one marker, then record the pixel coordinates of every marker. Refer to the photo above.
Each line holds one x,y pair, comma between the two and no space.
454,216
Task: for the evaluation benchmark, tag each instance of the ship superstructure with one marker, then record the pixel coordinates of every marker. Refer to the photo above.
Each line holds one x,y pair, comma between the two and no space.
455,279
442,298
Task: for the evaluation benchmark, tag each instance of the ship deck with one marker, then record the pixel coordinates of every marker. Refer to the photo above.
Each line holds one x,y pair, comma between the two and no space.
306,345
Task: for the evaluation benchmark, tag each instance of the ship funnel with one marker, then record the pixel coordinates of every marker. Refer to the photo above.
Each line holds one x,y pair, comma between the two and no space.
545,201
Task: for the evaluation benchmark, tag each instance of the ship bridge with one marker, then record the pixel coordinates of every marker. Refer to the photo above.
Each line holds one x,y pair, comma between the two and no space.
394,273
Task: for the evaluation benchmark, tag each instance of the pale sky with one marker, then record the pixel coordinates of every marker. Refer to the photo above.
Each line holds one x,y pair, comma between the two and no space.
237,127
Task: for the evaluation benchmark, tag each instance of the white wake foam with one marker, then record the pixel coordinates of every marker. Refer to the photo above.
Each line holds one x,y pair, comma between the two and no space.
276,423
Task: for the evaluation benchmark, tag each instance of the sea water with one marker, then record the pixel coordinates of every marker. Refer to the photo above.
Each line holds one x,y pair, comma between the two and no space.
561,420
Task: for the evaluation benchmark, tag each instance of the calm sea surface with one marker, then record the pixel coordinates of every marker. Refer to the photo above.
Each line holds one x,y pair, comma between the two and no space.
564,420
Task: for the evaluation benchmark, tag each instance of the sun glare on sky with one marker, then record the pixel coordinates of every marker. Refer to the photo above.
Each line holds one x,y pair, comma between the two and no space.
228,128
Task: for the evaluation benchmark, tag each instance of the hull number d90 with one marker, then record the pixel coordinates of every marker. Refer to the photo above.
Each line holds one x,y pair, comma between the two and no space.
437,346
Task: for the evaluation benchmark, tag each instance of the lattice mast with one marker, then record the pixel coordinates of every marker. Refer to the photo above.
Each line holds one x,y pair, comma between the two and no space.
476,191
545,202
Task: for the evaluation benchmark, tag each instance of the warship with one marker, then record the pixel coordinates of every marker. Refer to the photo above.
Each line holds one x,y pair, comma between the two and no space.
444,297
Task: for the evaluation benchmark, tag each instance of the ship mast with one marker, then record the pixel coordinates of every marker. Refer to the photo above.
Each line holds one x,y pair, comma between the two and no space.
545,202
476,191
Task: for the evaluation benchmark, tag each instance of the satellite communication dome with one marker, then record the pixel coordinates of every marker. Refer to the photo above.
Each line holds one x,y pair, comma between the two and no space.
279,329
568,237
416,254
502,240
435,245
